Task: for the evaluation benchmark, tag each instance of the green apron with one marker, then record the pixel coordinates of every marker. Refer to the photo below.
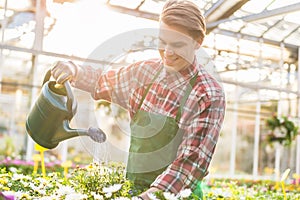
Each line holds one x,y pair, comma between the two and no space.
154,143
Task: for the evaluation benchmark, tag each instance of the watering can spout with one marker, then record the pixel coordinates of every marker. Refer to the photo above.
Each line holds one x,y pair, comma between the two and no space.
48,120
65,132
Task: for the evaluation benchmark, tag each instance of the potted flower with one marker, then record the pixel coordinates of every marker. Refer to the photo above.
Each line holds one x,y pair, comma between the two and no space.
282,130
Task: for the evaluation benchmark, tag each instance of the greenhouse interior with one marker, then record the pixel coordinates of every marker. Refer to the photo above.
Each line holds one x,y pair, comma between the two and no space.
251,47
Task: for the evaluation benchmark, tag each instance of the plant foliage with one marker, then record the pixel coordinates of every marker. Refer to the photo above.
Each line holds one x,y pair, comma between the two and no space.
282,130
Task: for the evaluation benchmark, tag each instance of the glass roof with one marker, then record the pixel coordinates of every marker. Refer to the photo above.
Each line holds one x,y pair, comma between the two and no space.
254,37
275,20
254,43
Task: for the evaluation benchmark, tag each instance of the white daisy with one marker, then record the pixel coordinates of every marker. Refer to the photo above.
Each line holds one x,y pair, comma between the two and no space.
152,196
76,196
185,193
112,188
108,195
122,198
170,196
97,196
65,190
135,198
16,177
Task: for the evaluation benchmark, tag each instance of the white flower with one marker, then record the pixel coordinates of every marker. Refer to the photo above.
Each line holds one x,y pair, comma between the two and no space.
108,195
112,189
21,195
13,169
42,181
97,196
33,187
104,170
135,198
121,198
185,193
25,183
221,191
65,190
170,196
43,192
16,177
152,196
76,196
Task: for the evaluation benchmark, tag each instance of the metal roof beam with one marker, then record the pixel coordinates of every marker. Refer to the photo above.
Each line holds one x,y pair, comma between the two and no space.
223,10
291,47
266,14
134,12
292,32
214,7
253,38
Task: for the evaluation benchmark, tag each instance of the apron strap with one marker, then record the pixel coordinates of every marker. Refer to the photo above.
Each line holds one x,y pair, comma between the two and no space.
148,88
185,97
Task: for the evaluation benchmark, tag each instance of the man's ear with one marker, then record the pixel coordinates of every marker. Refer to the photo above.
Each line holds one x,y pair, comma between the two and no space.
197,45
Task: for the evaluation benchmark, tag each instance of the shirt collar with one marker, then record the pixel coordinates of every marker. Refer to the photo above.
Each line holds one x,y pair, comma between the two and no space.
191,70
176,79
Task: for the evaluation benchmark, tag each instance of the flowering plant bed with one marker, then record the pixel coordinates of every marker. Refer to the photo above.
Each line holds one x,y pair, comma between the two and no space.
251,190
107,181
27,167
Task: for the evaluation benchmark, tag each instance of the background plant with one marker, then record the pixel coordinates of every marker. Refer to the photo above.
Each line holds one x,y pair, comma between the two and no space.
282,130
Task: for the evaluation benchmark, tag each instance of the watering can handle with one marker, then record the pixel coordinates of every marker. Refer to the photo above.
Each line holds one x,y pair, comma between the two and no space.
70,96
47,76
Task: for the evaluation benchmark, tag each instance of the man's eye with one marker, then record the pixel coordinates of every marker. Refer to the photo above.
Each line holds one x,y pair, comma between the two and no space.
178,45
162,42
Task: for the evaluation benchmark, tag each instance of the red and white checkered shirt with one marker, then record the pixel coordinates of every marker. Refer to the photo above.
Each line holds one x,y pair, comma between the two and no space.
201,118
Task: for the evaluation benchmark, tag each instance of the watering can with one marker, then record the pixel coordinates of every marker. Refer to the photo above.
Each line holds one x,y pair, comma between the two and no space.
48,120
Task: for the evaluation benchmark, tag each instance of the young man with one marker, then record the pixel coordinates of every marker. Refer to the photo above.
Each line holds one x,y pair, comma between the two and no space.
176,107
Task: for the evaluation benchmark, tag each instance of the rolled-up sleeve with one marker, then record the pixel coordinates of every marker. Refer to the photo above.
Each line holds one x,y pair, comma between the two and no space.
88,79
116,85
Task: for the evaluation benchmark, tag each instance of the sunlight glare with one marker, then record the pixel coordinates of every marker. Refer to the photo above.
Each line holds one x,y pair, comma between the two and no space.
89,23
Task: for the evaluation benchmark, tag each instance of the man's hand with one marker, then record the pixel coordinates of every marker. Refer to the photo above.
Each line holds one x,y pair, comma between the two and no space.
63,71
144,195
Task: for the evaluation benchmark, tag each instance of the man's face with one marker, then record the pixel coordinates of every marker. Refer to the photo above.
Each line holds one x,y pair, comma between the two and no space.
176,47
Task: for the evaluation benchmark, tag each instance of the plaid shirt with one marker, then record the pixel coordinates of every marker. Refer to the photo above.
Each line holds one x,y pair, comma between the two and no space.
201,118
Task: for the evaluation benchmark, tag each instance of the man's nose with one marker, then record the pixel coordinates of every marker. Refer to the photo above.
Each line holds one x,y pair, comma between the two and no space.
168,51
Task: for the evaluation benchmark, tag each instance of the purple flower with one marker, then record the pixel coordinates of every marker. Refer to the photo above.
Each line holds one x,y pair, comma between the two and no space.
7,196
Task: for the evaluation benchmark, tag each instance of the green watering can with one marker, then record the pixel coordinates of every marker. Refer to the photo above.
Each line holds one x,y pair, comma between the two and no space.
48,120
